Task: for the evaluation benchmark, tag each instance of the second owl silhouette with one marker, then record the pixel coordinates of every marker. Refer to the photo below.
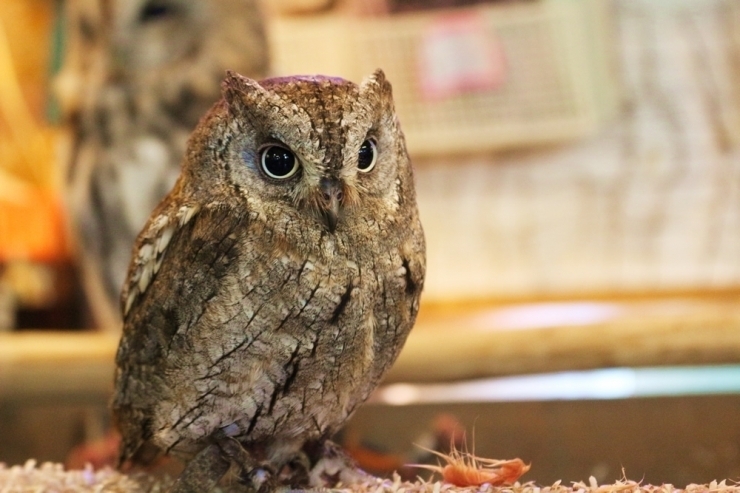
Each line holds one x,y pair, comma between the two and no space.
138,75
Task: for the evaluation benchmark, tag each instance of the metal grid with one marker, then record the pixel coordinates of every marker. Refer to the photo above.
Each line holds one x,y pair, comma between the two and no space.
556,87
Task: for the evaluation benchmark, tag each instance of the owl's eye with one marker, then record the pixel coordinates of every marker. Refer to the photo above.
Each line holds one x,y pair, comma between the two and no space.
156,9
278,162
367,156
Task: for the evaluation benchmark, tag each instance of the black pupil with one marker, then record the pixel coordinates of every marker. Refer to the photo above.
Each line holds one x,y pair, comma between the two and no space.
367,153
155,10
279,161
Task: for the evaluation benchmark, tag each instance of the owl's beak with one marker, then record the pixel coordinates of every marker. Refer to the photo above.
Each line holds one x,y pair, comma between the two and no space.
332,195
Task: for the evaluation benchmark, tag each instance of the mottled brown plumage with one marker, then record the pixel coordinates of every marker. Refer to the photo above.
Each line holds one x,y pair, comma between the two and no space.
137,77
263,310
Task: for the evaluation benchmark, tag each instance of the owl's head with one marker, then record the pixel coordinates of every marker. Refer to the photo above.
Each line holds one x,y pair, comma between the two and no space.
154,35
315,147
171,50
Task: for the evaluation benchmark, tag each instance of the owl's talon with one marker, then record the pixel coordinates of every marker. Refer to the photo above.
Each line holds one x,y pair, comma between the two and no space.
295,471
262,480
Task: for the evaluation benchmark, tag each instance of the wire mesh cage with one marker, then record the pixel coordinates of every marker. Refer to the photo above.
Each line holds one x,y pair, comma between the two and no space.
553,81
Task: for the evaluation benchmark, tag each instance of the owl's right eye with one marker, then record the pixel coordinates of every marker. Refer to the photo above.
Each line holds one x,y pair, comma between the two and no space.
278,162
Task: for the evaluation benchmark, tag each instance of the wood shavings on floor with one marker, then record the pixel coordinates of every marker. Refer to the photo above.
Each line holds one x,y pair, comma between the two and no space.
48,477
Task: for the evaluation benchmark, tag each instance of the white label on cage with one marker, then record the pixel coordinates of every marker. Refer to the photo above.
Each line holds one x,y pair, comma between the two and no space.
458,54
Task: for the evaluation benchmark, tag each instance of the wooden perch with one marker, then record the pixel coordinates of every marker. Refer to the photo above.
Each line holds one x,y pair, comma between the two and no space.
449,343
456,343
53,364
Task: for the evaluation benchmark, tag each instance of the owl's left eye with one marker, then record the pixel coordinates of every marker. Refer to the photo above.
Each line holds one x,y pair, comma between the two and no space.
155,10
278,162
367,156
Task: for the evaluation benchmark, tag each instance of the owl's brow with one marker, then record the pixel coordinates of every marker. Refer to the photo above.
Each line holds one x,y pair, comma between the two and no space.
324,101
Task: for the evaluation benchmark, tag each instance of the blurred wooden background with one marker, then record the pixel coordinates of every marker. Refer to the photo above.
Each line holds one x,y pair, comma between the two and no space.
641,220
650,204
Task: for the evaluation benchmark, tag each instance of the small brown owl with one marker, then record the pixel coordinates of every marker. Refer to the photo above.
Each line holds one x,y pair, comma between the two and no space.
276,283
138,76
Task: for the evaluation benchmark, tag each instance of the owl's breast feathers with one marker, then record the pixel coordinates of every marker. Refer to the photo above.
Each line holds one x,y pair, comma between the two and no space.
228,327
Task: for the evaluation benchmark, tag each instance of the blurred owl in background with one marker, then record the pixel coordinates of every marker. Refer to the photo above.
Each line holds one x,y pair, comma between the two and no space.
137,77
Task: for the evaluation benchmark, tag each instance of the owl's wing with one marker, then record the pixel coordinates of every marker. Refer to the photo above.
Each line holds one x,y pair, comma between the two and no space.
150,250
166,287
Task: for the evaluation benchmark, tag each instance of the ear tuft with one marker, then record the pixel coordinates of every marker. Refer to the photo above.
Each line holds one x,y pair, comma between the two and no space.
235,86
376,82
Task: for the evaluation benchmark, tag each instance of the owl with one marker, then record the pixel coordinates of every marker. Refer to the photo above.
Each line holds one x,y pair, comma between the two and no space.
138,75
273,287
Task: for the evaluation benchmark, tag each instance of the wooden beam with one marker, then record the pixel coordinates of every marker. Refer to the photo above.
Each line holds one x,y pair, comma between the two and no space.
449,343
455,344
46,363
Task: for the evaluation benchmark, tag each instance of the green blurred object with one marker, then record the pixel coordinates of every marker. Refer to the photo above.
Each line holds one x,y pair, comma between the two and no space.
57,46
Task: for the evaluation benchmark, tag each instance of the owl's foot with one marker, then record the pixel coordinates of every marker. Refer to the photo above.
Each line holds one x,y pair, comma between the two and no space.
333,466
256,476
294,473
203,473
259,480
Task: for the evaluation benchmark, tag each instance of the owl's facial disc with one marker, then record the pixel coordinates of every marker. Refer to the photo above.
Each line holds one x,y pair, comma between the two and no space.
332,197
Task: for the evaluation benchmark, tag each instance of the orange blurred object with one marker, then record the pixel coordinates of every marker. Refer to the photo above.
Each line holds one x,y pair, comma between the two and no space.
99,453
465,469
32,228
31,218
373,461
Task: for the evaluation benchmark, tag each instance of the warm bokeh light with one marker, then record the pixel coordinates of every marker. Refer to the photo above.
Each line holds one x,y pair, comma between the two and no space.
31,217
